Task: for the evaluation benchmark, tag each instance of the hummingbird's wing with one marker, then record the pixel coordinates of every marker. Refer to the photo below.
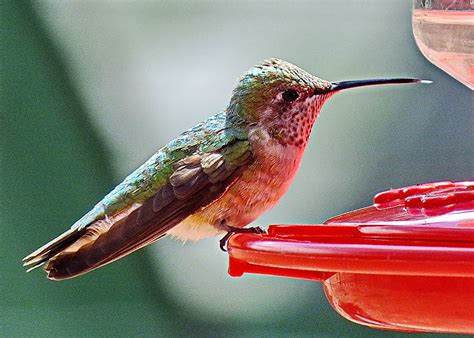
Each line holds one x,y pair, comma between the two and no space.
197,176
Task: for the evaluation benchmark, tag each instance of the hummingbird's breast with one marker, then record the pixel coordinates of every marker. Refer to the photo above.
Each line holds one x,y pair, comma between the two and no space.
259,188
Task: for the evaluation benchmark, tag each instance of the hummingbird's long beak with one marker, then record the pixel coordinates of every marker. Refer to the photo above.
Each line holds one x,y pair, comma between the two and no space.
341,85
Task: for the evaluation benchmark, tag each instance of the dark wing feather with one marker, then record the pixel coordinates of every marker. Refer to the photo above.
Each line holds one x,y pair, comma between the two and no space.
197,180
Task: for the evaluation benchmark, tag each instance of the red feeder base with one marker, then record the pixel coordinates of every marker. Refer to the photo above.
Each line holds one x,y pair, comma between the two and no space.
406,263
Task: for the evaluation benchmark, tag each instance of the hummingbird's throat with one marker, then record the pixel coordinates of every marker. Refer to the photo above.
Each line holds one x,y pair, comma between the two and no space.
292,125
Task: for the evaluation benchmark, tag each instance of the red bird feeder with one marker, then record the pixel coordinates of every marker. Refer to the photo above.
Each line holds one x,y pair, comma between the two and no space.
406,263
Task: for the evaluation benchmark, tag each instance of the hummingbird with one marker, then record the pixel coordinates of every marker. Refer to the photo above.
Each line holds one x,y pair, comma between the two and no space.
215,178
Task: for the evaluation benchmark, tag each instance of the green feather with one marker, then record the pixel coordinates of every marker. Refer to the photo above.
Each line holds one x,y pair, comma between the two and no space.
217,132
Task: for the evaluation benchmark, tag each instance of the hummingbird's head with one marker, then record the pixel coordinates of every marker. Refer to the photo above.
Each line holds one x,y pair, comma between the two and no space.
281,98
285,100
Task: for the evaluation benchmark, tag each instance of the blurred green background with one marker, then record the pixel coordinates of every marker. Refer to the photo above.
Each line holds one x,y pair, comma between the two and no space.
89,90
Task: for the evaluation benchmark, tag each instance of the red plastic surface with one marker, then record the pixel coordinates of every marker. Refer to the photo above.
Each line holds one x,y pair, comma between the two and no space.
406,263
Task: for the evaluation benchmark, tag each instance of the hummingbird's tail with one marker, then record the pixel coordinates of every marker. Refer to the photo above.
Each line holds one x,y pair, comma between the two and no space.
78,251
51,249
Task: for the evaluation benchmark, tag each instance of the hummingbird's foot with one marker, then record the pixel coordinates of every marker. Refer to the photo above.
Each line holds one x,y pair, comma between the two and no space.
233,230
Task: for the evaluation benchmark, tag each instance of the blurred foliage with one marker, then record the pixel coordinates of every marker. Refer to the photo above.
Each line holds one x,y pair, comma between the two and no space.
51,164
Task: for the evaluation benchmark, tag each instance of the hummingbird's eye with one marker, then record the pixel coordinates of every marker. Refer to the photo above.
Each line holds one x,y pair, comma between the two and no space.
290,95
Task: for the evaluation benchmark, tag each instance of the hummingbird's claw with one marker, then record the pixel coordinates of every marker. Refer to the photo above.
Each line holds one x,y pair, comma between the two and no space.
233,230
223,241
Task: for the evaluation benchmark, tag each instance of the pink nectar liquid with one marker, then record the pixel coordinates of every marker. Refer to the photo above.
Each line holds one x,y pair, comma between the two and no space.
446,38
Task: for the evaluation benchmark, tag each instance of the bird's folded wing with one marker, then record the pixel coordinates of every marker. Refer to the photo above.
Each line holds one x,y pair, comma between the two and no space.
196,181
